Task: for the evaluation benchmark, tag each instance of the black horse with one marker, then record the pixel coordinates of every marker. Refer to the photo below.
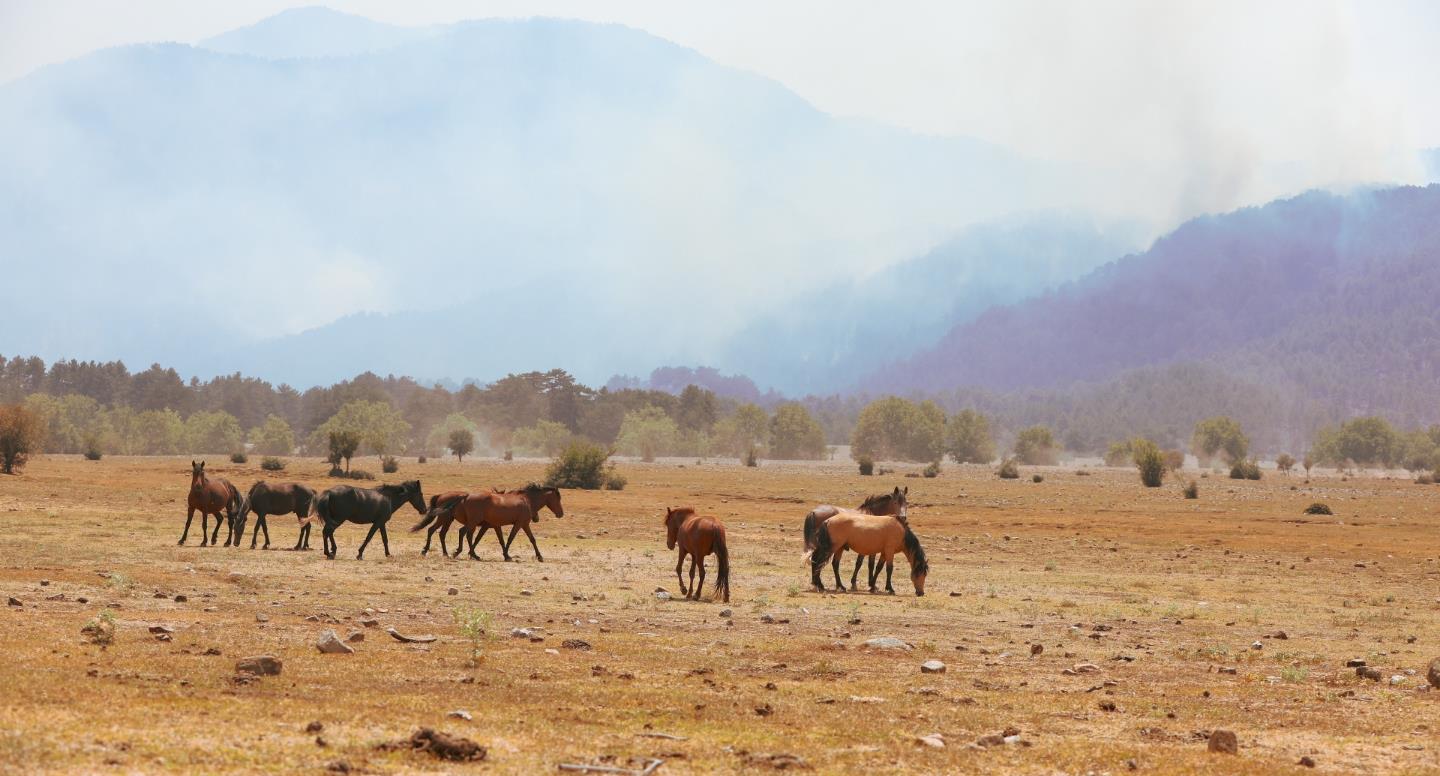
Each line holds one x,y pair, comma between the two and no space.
344,503
276,498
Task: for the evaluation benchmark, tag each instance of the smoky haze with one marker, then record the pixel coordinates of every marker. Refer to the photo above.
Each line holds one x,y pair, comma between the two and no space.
498,188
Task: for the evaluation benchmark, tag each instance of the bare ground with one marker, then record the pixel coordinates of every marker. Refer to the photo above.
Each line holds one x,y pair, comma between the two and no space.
1157,592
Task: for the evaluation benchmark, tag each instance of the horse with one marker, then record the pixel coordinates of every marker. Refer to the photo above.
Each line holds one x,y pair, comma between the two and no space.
868,534
346,503
436,502
697,537
882,504
489,509
210,497
275,498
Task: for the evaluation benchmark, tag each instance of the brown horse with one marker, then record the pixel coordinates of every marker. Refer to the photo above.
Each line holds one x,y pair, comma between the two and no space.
211,497
436,502
697,537
893,503
867,535
488,509
275,498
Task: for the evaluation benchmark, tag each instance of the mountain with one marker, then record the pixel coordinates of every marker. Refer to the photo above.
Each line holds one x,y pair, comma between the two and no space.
823,340
319,194
1323,297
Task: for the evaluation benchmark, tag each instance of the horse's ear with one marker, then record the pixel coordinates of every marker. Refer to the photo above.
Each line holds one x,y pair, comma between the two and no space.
907,491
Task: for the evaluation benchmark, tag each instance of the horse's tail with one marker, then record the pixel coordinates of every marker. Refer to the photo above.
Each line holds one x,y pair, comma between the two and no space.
437,511
811,523
316,512
824,546
722,582
234,503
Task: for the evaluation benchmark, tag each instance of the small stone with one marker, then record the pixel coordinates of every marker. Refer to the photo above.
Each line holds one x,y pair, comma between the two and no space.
44,583
552,651
727,613
1257,645
575,644
260,665
662,596
459,714
453,591
522,633
1228,670
370,622
990,740
1433,674
1085,668
527,592
330,644
1397,679
262,618
1355,663
1373,674
767,617
932,667
355,636
1307,762
1036,649
887,642
315,727
180,599
934,741
1224,741
15,601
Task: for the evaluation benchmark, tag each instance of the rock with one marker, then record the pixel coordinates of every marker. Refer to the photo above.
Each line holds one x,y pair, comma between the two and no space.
1307,762
1224,741
575,644
932,667
1085,668
441,745
1279,636
370,622
1373,674
157,629
44,583
315,727
459,714
262,618
330,644
1433,674
355,636
180,599
527,592
15,601
990,740
453,591
522,633
1355,663
1397,679
727,612
552,651
1257,645
398,636
887,642
1229,670
662,596
934,741
1036,649
260,665
767,617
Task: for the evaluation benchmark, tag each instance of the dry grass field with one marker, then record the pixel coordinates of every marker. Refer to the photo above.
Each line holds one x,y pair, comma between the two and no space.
1158,593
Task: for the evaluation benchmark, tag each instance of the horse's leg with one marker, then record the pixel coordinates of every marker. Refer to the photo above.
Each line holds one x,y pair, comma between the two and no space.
303,540
385,538
873,572
889,570
702,576
327,535
474,535
679,573
188,518
817,563
429,535
691,594
854,577
531,536
215,537
835,567
514,529
500,537
204,528
373,528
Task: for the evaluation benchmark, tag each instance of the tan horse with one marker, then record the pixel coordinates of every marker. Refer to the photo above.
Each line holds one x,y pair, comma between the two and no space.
211,497
697,537
867,535
882,504
488,509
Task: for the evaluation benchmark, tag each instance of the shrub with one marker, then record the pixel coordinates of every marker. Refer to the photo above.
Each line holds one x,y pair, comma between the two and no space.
968,438
508,456
353,474
1284,462
751,459
1037,478
1221,436
615,481
1174,460
422,459
475,627
21,433
795,434
92,452
1319,509
1036,446
580,465
867,466
1150,461
932,471
1119,454
1245,470
1192,490
239,457
343,445
461,442
272,464
389,464
1009,470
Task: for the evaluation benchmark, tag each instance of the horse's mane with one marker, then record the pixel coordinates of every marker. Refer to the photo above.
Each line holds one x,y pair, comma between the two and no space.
680,512
389,489
535,487
875,501
918,564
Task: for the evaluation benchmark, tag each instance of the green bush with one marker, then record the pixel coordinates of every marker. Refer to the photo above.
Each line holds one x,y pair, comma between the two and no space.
421,459
389,464
1245,470
509,455
751,459
1036,446
272,464
353,474
1009,470
580,465
1037,478
1192,490
615,481
1150,461
867,466
92,453
239,457
1319,509
933,470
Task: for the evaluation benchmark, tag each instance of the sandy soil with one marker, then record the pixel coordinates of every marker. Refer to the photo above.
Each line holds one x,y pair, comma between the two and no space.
1158,593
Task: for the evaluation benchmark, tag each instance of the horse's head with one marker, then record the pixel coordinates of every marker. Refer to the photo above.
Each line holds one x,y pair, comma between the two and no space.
898,498
414,496
673,519
919,566
893,503
197,474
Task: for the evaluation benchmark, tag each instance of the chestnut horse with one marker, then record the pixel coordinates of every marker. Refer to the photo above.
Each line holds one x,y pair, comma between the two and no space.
210,497
697,537
867,535
488,509
436,502
345,503
275,498
882,504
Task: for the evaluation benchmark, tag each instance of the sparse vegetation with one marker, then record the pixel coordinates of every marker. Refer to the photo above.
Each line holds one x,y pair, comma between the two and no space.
475,626
272,464
343,445
751,458
581,465
1037,478
867,466
795,435
239,457
1009,470
92,451
389,464
968,438
1191,491
461,443
1284,462
21,435
1245,470
1219,436
1318,508
932,470
1149,460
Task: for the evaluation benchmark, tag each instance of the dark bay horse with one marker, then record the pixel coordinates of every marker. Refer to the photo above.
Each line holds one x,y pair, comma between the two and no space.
375,506
275,498
868,534
697,537
211,497
436,502
893,503
488,509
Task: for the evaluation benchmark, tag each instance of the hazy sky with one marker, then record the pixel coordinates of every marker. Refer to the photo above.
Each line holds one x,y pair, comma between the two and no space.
1233,102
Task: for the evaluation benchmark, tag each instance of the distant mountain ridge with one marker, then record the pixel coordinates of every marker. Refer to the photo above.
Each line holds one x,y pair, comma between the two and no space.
1327,297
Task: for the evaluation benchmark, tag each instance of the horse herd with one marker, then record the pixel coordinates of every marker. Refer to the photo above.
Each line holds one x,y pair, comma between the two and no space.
876,531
